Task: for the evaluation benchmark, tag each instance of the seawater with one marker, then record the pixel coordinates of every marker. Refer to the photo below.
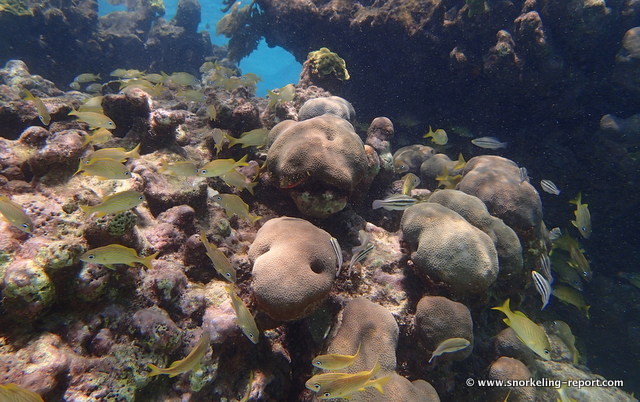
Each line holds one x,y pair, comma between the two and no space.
276,66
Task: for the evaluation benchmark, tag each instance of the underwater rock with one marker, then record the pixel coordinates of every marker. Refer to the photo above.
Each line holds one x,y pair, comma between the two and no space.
46,359
333,105
294,266
506,368
325,69
399,389
437,319
445,247
506,343
496,181
409,158
628,60
27,291
128,110
475,212
379,135
320,163
59,254
101,343
61,152
34,136
91,282
434,167
188,15
13,159
164,284
157,330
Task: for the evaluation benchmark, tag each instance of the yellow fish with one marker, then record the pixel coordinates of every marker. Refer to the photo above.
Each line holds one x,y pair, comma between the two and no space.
188,363
219,166
253,138
460,163
154,78
220,261
93,104
244,318
122,73
447,181
15,215
334,361
580,263
114,203
438,137
116,254
119,154
87,77
563,331
233,205
15,393
94,119
212,113
182,168
569,295
530,333
192,95
238,180
100,136
284,94
449,346
218,139
409,182
183,79
346,384
583,217
105,169
43,114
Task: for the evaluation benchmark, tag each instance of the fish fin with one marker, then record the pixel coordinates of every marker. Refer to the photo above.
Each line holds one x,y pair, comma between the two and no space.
242,161
504,308
146,261
520,313
507,321
155,370
574,223
586,312
577,200
249,187
357,351
255,218
431,359
134,153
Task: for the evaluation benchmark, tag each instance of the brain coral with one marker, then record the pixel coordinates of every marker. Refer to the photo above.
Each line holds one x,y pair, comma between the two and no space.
399,389
475,212
496,181
371,326
333,105
320,161
449,249
437,319
294,266
506,368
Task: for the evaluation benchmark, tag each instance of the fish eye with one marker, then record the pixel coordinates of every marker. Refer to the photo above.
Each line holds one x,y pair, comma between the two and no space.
91,256
24,225
546,351
127,173
318,363
218,198
327,394
251,336
316,386
228,274
203,171
141,197
109,124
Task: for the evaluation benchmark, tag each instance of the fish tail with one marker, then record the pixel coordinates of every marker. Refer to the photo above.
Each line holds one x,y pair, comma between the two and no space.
577,200
381,382
586,312
242,161
250,187
87,209
155,370
134,153
504,308
376,204
375,369
357,352
28,94
255,218
232,141
146,261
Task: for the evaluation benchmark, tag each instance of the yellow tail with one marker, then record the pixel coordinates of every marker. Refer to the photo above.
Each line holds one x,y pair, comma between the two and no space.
155,370
146,261
133,154
504,308
379,383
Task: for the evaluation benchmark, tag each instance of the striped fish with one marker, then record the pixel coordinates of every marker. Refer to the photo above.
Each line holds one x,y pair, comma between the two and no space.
338,251
544,264
549,187
360,252
543,287
488,143
396,202
524,175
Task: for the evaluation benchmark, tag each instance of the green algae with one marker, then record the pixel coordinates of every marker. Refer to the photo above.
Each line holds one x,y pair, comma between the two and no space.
325,62
58,254
28,291
121,223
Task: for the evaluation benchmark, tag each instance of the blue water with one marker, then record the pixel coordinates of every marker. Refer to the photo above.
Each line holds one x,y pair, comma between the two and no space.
275,66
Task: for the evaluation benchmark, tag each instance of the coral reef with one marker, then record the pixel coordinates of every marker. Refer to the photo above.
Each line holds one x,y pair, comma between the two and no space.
447,248
294,267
